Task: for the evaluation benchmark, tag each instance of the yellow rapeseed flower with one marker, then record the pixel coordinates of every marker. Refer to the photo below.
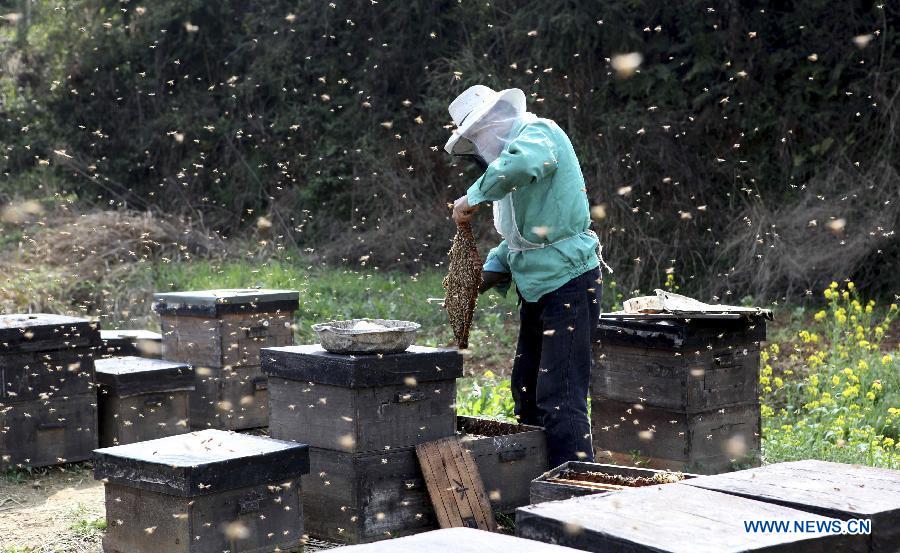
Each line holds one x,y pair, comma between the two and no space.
886,359
820,315
846,295
850,285
835,380
833,285
862,365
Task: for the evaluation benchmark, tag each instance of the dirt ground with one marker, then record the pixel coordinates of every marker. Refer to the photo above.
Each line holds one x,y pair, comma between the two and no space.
58,509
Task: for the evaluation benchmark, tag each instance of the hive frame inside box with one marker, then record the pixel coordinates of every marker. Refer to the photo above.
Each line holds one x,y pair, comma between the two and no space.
546,487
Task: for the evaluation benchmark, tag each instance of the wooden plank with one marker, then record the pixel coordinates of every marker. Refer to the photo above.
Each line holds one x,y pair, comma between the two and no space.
454,485
472,479
439,488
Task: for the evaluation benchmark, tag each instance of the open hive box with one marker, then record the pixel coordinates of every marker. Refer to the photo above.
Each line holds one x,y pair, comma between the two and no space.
574,478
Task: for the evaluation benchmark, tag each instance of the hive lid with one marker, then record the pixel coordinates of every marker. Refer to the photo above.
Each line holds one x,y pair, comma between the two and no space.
674,518
311,363
830,489
458,540
213,303
201,463
126,376
46,332
665,332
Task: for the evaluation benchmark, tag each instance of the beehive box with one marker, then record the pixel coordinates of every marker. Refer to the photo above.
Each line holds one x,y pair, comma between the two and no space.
690,366
204,491
365,497
681,394
229,398
361,403
674,518
142,399
224,328
832,490
575,478
220,333
138,343
704,443
509,457
458,540
48,404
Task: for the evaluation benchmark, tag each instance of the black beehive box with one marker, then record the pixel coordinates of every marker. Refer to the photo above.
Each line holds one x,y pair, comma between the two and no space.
675,518
682,394
48,404
359,403
362,415
220,333
142,399
834,490
137,343
509,456
204,491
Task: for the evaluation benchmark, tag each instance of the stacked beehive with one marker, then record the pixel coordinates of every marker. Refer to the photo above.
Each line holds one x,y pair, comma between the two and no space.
362,417
220,333
680,394
48,403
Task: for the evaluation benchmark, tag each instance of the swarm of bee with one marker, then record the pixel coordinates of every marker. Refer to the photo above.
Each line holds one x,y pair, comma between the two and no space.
461,283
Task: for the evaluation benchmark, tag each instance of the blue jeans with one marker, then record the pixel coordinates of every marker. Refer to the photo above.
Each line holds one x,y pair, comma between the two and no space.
552,369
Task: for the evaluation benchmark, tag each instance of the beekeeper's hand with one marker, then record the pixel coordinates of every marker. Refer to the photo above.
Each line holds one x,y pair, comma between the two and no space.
462,211
489,279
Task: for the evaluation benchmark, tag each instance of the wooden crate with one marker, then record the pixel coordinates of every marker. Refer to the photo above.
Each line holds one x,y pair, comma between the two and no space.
203,491
142,399
361,403
458,540
673,519
683,365
509,457
832,490
575,479
224,328
364,497
229,399
138,343
709,442
48,432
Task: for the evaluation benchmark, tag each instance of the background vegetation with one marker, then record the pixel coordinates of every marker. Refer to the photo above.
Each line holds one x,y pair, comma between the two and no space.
754,150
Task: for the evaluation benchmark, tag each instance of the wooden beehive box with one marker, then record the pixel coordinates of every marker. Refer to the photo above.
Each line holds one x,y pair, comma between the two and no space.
365,497
709,442
691,366
138,343
48,404
142,399
676,393
224,328
359,403
458,540
509,456
832,490
575,478
220,333
674,518
204,491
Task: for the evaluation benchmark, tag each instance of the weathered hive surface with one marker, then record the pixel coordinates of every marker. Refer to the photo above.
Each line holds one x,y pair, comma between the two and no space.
461,283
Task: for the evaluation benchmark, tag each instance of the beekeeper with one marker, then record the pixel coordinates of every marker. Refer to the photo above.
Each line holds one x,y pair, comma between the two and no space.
533,180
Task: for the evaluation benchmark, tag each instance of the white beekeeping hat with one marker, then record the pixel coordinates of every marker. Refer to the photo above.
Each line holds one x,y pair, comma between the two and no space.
469,107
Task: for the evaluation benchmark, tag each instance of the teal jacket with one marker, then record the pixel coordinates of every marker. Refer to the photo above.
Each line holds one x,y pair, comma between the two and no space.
541,170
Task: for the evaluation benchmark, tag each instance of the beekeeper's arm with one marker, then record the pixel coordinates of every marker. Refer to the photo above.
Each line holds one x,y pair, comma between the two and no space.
529,157
496,270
